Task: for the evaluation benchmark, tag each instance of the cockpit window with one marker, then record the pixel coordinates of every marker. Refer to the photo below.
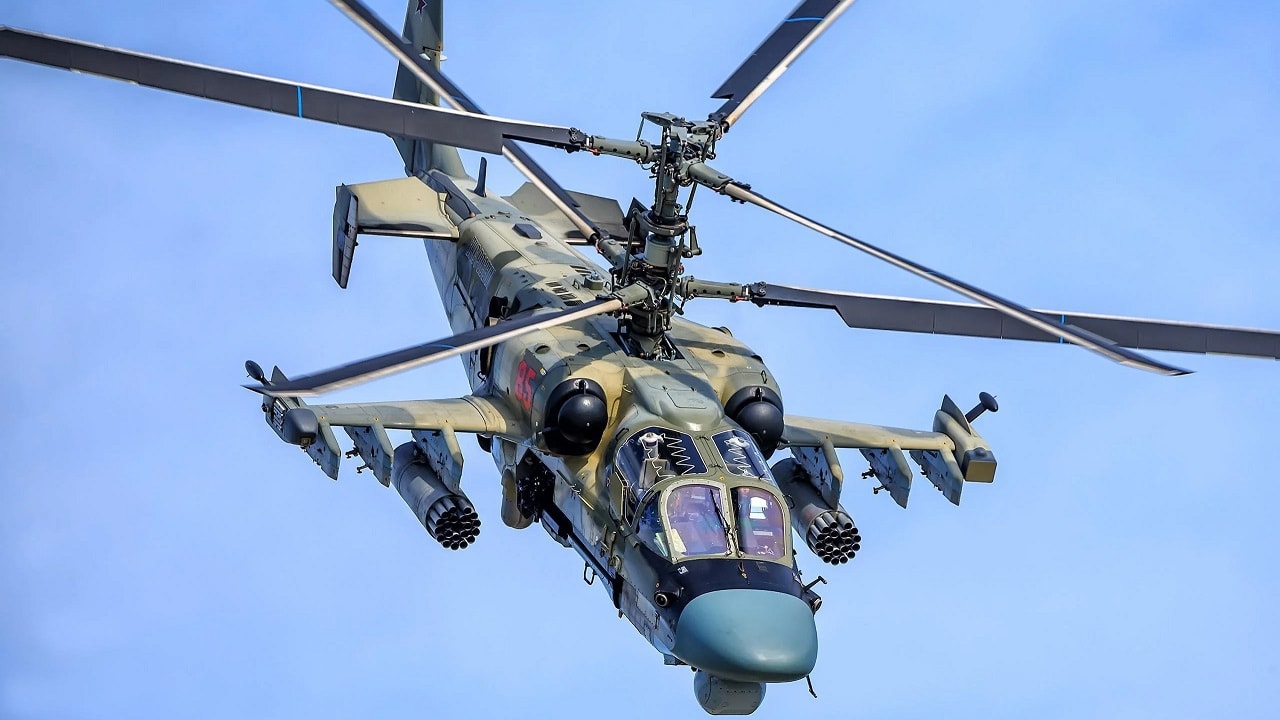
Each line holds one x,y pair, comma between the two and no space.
690,519
741,455
761,532
696,522
656,453
651,531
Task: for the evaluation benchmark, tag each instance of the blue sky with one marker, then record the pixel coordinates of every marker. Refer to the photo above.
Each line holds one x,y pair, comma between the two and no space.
163,555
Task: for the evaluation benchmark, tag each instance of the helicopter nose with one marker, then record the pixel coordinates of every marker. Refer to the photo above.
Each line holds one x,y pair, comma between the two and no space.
748,635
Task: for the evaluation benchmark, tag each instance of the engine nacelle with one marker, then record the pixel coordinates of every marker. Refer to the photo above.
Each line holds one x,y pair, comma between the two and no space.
758,410
576,416
829,532
447,515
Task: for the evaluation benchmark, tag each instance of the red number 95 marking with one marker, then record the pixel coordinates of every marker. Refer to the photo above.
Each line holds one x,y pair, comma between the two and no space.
525,376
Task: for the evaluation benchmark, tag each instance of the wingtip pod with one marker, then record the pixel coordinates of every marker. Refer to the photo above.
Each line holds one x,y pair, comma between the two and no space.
296,423
972,454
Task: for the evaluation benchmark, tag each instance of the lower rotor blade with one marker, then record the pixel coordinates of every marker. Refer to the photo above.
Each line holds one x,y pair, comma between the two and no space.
428,74
364,112
390,363
725,185
879,312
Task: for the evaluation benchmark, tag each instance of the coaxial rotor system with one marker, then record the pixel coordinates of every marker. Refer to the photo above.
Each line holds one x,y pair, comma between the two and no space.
649,279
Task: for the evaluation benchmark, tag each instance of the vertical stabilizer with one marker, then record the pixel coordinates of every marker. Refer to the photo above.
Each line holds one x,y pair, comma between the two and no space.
424,29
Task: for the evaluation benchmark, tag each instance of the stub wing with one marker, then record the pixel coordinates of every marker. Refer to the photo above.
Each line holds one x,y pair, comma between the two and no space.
469,414
950,455
813,432
311,427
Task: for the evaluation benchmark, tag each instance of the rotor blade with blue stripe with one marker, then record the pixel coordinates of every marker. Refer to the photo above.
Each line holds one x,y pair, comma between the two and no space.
365,112
805,23
428,74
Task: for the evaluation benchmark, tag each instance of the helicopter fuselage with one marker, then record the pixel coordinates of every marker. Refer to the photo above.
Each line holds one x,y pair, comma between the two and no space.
501,264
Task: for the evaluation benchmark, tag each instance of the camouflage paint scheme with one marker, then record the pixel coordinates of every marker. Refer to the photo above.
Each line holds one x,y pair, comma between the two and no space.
737,611
494,255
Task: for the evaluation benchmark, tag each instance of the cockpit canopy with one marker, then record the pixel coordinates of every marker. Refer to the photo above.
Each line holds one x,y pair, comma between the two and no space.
741,455
656,453
698,505
692,519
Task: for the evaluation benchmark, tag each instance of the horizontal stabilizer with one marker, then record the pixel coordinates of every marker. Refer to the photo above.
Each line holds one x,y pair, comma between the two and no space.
604,212
405,207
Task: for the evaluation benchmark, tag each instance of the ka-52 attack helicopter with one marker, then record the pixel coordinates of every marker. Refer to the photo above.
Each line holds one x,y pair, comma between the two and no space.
635,437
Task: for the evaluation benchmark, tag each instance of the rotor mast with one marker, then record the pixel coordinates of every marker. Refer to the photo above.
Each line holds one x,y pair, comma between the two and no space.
661,237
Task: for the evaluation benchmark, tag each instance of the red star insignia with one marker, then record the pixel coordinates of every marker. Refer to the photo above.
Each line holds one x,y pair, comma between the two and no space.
422,5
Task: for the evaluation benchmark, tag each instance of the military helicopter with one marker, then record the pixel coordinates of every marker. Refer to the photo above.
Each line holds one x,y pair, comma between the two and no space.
629,423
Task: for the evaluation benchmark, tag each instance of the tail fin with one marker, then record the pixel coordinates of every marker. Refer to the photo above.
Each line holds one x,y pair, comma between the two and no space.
424,29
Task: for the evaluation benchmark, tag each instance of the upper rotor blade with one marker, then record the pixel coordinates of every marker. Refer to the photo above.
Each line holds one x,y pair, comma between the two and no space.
392,117
390,363
879,312
809,20
723,184
428,74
